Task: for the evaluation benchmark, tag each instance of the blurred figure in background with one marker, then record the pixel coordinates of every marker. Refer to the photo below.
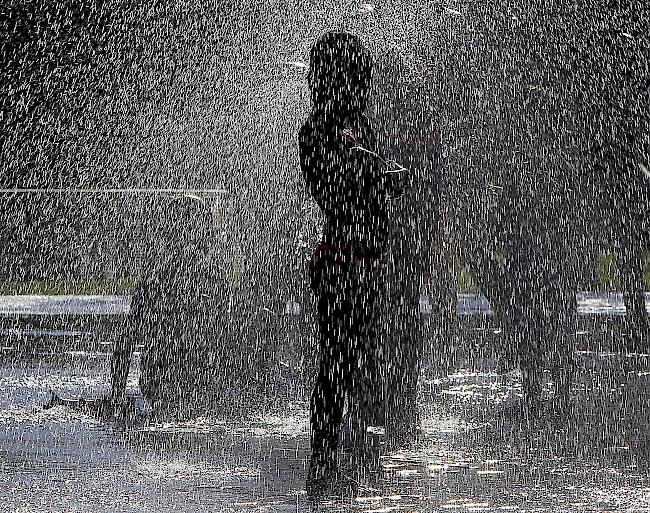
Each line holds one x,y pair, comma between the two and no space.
178,313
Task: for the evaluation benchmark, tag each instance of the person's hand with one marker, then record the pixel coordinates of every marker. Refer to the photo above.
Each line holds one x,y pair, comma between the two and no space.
399,178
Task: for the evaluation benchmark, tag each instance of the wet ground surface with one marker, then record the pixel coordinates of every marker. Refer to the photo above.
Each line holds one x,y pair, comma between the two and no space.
477,452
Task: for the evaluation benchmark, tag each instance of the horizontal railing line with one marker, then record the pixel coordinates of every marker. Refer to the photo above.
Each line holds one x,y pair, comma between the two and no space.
110,191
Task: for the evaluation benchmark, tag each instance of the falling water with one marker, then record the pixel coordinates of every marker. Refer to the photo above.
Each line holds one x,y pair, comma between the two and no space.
518,260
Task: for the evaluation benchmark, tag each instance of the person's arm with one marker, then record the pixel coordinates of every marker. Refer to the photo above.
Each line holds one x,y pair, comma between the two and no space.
388,178
396,180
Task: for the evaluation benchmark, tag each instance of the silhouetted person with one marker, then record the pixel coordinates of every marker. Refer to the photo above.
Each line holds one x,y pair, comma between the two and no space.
624,182
541,305
610,68
178,309
526,271
348,179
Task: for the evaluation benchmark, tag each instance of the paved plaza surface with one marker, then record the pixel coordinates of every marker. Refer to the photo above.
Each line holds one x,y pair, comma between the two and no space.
476,453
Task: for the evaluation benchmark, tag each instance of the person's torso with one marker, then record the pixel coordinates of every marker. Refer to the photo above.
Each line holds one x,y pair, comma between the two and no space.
342,162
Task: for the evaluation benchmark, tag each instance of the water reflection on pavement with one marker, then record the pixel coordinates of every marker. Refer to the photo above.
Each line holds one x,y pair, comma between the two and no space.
477,451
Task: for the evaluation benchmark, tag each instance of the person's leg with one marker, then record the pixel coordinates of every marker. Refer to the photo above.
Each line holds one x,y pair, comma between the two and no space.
367,395
120,364
562,340
523,335
631,273
527,337
365,390
163,372
562,368
326,413
328,397
403,353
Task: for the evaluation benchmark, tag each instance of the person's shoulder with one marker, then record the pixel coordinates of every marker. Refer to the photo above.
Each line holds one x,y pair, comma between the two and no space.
308,129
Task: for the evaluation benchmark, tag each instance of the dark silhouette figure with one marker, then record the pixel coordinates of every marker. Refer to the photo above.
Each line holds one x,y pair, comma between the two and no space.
421,246
624,182
526,270
610,67
351,183
177,313
541,305
178,318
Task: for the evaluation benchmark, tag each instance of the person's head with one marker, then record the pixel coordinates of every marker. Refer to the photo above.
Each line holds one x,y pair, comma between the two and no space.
186,225
340,70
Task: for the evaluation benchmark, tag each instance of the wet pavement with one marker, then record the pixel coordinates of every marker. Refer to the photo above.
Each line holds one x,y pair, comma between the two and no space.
477,452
